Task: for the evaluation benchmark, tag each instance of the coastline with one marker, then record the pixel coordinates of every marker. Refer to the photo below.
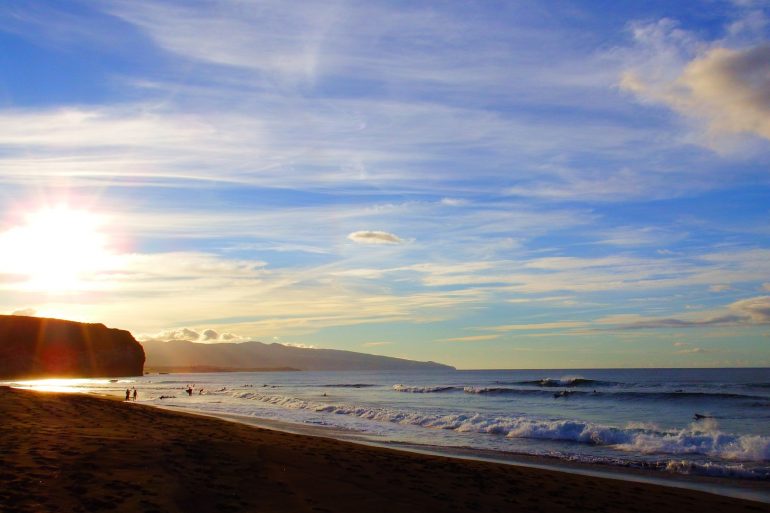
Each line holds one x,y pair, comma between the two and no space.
76,452
752,490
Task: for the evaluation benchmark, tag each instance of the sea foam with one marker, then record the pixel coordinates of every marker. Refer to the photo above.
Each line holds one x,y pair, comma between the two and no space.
697,438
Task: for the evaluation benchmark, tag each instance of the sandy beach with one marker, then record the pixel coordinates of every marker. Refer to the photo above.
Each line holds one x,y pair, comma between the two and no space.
71,453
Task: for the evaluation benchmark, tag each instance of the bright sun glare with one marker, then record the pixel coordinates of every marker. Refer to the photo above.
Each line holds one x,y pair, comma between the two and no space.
55,249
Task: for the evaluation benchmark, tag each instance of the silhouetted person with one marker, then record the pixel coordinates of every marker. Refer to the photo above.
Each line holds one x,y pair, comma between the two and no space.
189,391
134,394
128,394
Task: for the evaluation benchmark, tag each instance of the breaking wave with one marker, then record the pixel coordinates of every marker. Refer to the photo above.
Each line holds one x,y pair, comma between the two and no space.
565,381
760,401
349,385
423,390
702,438
503,390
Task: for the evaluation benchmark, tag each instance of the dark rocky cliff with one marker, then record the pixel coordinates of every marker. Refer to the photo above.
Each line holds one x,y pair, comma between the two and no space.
33,347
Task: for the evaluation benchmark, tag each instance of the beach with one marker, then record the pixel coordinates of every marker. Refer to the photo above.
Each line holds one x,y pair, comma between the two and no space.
76,452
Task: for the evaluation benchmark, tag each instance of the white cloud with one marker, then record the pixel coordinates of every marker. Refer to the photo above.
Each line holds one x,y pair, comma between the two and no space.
374,237
27,312
727,87
757,309
746,312
375,344
454,202
723,82
207,335
720,287
174,334
693,350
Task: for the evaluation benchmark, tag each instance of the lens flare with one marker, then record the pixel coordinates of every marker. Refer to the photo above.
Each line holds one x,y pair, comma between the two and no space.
55,250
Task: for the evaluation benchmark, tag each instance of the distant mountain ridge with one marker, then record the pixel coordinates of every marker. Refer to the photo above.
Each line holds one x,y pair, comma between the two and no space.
179,354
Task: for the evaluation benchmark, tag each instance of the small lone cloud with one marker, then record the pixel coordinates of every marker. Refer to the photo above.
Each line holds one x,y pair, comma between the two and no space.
454,202
693,350
26,312
374,237
375,344
722,287
685,348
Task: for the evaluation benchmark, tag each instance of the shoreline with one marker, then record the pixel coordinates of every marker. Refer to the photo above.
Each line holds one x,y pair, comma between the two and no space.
80,452
753,490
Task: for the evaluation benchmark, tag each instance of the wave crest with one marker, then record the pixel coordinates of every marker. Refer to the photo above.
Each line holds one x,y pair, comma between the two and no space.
697,438
422,390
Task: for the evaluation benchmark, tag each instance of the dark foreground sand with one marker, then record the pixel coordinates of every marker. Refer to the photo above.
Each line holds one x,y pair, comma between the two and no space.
70,453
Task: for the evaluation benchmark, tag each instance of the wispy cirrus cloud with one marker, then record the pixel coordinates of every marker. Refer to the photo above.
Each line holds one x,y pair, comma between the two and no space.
283,136
560,325
470,338
376,344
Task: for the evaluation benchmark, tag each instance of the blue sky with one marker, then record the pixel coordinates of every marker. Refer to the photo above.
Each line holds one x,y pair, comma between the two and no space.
488,184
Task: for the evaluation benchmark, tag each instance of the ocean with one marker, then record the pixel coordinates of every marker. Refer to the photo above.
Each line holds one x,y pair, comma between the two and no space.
695,422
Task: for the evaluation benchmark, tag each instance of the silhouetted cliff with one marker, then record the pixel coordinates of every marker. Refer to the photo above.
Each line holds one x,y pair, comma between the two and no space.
37,347
179,353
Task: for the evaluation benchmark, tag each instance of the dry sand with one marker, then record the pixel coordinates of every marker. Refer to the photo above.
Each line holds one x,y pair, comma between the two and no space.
77,453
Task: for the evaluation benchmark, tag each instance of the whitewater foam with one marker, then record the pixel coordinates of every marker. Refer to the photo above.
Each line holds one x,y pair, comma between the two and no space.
697,438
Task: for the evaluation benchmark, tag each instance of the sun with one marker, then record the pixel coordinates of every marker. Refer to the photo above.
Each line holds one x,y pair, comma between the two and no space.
55,250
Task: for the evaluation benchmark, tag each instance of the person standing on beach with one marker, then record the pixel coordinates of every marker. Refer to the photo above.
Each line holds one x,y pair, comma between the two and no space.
134,393
128,394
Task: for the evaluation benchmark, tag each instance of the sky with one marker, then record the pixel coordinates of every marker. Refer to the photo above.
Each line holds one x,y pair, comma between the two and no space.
520,184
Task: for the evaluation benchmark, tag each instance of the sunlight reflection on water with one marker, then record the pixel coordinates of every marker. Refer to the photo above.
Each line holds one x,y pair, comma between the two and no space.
63,384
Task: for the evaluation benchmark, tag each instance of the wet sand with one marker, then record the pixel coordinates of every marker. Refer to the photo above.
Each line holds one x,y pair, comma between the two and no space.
78,453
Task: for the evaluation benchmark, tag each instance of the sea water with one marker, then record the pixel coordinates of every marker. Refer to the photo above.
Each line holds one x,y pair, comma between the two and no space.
708,422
